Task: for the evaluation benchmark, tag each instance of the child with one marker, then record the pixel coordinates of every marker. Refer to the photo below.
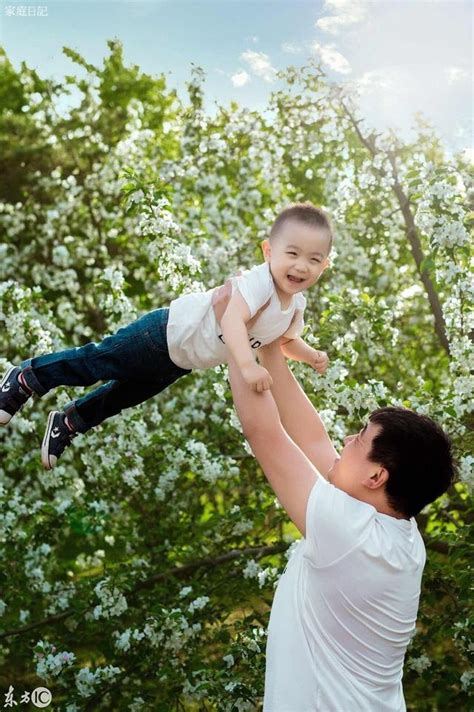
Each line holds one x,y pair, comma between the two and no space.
145,357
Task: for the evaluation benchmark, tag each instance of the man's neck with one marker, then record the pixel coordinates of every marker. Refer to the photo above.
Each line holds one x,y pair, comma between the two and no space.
384,508
380,502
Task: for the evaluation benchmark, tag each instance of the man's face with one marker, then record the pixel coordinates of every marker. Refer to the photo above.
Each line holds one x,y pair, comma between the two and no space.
353,467
298,254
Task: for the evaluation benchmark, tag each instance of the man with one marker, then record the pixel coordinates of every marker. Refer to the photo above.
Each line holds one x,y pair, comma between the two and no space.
346,606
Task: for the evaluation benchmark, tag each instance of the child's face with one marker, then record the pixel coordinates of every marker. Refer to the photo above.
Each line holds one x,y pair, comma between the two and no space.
298,255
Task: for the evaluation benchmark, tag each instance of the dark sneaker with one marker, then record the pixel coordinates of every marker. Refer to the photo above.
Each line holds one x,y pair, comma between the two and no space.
12,395
56,439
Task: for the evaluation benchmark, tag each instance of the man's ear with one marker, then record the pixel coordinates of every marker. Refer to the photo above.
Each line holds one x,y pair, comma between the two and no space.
266,249
378,479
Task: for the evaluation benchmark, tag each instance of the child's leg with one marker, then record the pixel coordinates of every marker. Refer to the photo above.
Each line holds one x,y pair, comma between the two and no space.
111,398
129,354
93,408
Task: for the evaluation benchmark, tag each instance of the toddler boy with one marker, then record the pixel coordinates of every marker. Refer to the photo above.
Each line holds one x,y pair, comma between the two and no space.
146,356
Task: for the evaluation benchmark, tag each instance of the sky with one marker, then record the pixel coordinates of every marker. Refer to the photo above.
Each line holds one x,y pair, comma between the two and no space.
404,56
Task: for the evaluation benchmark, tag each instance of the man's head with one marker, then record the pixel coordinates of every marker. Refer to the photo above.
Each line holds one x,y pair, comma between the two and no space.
298,247
399,462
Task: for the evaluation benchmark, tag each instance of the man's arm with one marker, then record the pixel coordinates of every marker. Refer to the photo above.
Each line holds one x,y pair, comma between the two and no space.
288,471
298,416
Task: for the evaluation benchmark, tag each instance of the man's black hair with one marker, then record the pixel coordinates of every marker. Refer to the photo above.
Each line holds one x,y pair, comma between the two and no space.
417,454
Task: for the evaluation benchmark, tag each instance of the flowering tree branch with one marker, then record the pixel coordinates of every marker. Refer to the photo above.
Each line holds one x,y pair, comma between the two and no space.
210,561
415,244
410,229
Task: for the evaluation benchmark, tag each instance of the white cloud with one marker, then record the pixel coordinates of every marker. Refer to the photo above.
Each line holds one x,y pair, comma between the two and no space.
239,79
332,58
345,13
259,64
291,48
456,74
375,81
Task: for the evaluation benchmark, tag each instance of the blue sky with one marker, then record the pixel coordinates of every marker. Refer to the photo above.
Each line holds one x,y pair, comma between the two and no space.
403,56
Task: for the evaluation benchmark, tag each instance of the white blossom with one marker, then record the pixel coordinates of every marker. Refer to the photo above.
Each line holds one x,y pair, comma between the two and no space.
466,679
419,664
112,602
198,603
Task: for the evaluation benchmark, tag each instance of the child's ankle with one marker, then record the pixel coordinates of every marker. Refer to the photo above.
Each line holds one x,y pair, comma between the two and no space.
69,424
23,384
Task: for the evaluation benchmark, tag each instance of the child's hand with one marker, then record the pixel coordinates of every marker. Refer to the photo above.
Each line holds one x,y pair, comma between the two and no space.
318,360
257,377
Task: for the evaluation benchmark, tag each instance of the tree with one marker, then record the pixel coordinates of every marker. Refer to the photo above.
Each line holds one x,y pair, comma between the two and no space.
139,573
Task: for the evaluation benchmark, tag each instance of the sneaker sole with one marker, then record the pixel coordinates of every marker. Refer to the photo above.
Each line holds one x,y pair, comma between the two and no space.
4,416
48,461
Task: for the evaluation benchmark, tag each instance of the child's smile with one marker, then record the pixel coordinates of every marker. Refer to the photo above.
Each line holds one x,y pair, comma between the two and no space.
296,280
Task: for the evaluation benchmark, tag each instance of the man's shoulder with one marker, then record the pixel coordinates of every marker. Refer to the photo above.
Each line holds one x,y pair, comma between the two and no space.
338,524
398,541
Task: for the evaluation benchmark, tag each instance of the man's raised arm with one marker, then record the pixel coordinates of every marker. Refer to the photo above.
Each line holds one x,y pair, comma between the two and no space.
288,471
298,415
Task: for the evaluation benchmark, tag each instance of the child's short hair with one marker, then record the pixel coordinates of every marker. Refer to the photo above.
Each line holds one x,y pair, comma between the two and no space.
306,213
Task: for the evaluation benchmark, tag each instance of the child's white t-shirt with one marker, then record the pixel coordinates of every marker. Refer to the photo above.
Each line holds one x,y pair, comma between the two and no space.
195,338
344,610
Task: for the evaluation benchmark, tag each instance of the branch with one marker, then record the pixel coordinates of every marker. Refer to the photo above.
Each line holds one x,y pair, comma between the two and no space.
415,244
210,561
32,626
437,545
411,233
259,551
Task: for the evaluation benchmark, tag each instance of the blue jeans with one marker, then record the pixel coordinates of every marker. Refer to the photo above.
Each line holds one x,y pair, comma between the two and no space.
135,361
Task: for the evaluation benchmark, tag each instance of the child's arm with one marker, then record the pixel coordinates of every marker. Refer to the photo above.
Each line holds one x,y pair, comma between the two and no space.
298,350
234,331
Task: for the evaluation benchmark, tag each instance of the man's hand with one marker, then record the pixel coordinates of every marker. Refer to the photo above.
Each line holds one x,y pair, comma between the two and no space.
221,298
318,360
257,377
